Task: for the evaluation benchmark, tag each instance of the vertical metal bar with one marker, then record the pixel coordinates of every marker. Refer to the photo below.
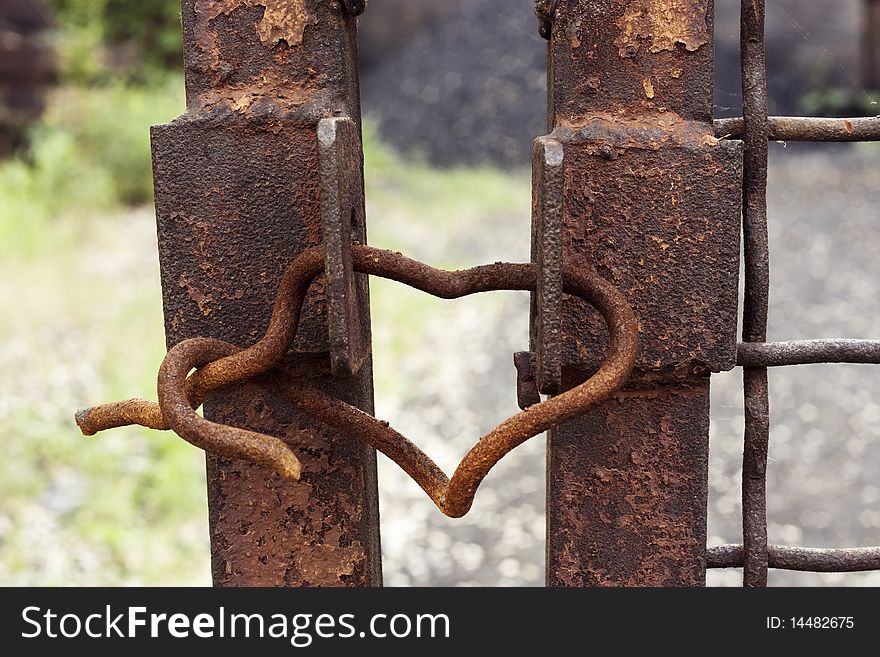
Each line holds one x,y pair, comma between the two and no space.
238,196
652,199
757,290
548,190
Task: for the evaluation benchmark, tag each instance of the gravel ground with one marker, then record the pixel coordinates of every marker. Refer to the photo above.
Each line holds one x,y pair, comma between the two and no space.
470,87
825,442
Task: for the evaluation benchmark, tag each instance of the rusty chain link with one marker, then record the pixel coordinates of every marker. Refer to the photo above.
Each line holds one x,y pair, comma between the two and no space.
220,364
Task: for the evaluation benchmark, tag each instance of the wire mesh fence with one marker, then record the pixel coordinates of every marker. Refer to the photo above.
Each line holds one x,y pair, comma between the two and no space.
755,355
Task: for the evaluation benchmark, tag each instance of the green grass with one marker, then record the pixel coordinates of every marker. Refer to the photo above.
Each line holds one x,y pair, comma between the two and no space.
124,507
83,325
89,156
79,281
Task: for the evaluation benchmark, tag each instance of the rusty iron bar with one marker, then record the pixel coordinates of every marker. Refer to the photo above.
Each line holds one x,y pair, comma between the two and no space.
241,186
798,128
348,329
757,288
808,352
545,311
817,560
649,197
221,364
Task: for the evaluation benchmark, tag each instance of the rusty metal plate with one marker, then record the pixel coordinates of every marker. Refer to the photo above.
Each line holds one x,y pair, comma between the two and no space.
235,202
655,206
343,222
527,394
546,302
630,485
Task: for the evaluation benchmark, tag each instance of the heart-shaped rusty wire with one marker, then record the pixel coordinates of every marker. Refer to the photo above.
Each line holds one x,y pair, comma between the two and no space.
221,364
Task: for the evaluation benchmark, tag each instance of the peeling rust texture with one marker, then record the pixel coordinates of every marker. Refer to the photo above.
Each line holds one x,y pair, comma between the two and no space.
268,57
653,204
660,25
652,199
237,198
628,505
604,51
651,194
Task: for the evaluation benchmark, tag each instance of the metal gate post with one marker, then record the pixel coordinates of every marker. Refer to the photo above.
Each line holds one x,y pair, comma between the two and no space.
242,180
651,198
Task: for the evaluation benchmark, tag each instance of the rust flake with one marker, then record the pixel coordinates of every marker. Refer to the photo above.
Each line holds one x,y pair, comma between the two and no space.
650,129
202,300
283,20
664,23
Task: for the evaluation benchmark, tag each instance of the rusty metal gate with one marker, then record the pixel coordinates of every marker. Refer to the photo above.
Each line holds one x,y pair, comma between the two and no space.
640,199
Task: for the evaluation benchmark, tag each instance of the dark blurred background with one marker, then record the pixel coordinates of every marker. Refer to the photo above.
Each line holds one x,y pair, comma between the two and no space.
454,94
424,61
464,80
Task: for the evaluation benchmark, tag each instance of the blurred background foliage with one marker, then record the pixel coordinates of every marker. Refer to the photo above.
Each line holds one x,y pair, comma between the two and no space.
128,39
77,265
119,73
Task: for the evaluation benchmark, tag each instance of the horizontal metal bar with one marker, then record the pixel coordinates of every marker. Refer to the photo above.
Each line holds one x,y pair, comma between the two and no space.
816,560
807,352
797,128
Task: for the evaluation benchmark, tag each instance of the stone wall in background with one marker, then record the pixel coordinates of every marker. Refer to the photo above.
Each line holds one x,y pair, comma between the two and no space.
812,56
390,24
